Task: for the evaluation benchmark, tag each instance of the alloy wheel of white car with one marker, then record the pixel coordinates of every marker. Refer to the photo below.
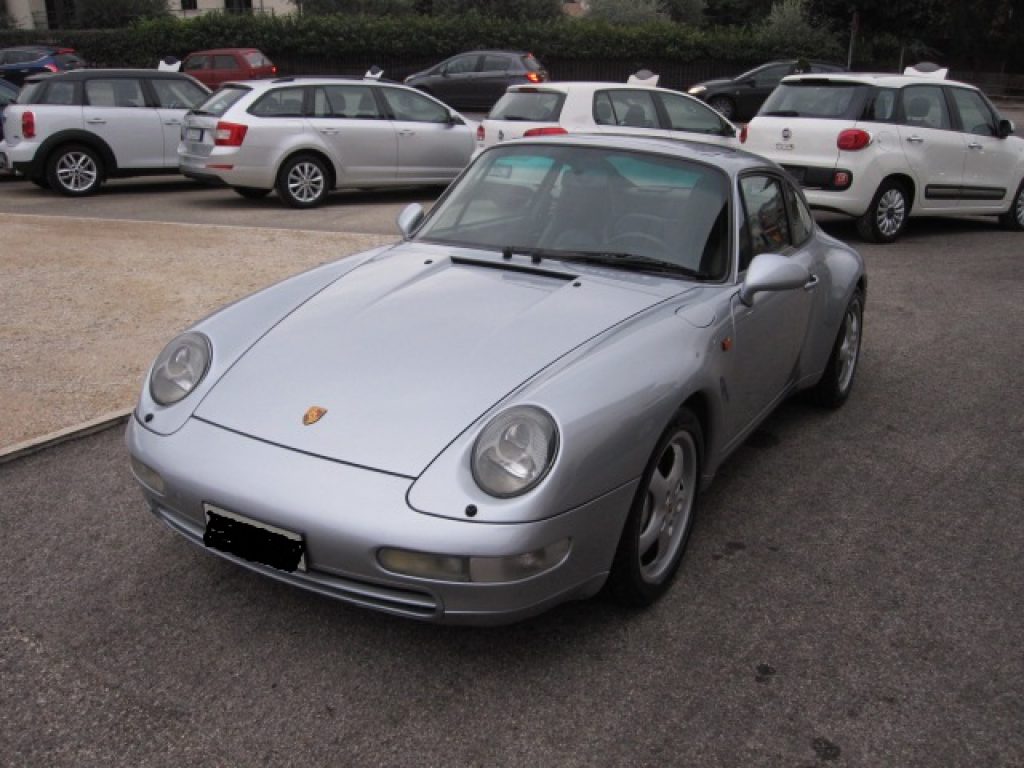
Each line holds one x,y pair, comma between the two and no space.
886,217
302,182
74,170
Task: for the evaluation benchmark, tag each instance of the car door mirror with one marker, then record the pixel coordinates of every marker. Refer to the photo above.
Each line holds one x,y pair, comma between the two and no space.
410,218
1006,128
454,119
772,272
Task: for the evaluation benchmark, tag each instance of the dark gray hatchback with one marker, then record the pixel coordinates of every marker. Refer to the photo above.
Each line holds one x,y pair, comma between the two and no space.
477,79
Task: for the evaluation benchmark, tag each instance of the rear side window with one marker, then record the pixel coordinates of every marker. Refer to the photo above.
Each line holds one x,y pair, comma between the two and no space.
221,101
532,106
225,61
531,63
61,93
816,98
345,101
881,106
23,57
196,62
282,102
114,93
493,63
177,94
257,59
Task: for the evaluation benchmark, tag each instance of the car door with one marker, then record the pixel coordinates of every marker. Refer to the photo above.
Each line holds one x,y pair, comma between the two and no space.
935,152
198,65
768,337
431,147
692,119
454,83
627,110
115,109
225,67
173,98
991,164
358,135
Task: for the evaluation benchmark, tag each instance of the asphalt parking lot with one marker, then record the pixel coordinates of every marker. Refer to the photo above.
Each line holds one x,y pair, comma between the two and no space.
851,596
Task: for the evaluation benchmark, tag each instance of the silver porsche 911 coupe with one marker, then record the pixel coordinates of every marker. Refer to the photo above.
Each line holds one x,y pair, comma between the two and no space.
519,403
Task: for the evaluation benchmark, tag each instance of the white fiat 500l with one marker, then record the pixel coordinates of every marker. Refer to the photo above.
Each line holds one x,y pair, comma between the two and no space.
307,136
883,148
557,108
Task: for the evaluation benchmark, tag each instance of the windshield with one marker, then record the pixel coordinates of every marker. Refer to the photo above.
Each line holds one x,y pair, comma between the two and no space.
816,98
624,208
222,100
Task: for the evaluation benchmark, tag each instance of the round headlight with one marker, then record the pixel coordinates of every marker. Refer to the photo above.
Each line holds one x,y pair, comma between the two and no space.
179,368
514,451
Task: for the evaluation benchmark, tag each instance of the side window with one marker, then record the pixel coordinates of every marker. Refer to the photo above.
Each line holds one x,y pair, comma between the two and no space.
633,108
114,93
193,63
492,63
409,105
924,106
604,114
687,115
281,102
177,94
975,115
801,222
346,101
766,217
460,65
222,61
769,77
881,106
62,94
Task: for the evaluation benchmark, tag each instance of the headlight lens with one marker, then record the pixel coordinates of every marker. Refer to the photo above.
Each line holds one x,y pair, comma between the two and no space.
514,451
697,90
180,367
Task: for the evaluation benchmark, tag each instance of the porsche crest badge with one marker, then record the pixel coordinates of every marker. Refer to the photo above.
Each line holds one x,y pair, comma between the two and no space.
313,415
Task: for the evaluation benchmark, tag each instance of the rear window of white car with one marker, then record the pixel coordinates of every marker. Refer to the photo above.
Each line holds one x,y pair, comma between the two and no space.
221,101
529,106
816,98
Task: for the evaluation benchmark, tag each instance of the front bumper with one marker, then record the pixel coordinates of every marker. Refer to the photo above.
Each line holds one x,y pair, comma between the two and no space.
346,514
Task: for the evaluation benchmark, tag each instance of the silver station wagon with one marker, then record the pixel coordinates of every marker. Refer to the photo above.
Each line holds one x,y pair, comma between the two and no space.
307,136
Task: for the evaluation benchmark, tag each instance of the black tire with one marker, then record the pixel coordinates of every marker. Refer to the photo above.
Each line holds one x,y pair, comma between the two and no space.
836,382
40,181
641,572
886,217
74,170
303,181
1013,219
251,193
723,105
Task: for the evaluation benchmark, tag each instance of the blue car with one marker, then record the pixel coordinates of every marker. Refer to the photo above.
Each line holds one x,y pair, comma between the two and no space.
18,63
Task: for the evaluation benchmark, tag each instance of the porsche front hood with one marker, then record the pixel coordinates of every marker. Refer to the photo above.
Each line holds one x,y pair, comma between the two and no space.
408,350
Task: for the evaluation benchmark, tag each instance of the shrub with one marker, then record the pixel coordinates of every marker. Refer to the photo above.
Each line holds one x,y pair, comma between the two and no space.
627,11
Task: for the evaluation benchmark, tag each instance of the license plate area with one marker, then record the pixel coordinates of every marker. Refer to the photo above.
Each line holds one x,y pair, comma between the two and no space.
254,541
194,134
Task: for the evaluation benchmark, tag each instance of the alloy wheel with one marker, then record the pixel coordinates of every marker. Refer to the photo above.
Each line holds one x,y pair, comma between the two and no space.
668,506
849,350
77,171
891,212
306,182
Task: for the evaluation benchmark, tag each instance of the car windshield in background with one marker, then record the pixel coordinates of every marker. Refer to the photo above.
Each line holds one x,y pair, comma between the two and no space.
816,98
222,100
616,207
532,106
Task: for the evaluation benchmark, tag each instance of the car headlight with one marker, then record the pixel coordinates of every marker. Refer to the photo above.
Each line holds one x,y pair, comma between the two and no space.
180,367
697,90
514,451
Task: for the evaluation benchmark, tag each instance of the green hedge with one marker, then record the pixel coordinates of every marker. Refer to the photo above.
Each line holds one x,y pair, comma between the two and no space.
372,38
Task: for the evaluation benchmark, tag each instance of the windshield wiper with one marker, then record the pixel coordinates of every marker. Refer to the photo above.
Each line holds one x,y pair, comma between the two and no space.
632,261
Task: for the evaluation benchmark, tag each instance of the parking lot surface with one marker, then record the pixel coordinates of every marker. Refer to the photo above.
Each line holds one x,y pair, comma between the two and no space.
851,595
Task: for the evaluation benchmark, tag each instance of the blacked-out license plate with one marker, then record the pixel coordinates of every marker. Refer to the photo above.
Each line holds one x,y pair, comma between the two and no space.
251,540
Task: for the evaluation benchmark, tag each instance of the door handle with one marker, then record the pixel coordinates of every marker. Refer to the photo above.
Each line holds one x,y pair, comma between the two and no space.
172,122
915,139
406,132
812,283
330,131
974,145
96,121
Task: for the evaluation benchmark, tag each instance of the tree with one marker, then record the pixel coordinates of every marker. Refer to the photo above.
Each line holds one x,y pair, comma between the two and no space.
111,14
905,21
789,32
627,11
685,11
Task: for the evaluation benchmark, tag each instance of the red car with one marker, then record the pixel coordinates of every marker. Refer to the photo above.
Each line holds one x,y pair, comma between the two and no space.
223,64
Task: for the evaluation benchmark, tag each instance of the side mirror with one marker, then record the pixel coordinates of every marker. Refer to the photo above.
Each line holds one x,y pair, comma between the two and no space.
454,119
1006,127
772,272
409,219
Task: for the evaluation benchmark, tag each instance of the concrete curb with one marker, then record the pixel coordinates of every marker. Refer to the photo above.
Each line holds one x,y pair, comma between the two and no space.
86,428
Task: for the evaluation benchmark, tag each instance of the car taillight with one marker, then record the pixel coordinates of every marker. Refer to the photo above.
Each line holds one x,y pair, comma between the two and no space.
273,70
853,139
533,77
51,67
480,132
229,134
743,135
555,130
28,125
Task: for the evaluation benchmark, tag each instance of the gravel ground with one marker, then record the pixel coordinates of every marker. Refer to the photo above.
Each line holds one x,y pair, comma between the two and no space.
79,327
